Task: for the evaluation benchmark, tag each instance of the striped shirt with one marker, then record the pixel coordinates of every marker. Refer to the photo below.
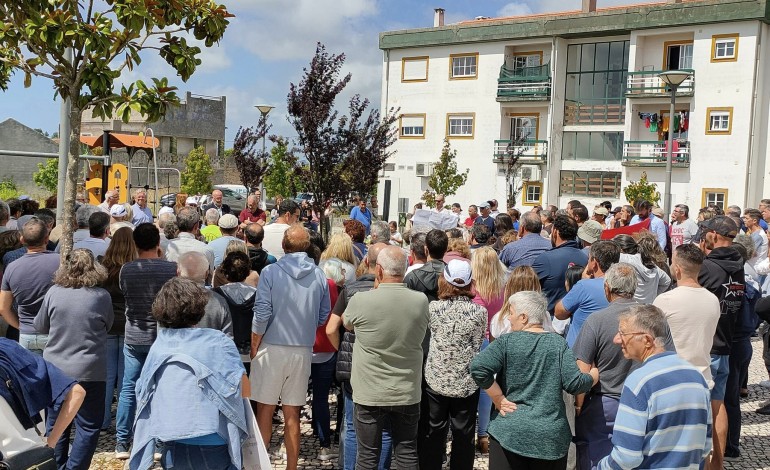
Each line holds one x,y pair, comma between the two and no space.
664,417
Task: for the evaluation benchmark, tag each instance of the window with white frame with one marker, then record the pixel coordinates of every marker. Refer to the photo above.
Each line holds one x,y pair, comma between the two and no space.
724,47
412,126
460,125
464,66
533,193
719,120
525,61
715,196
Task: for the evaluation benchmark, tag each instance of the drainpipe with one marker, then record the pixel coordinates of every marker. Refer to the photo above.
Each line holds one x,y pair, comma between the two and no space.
752,116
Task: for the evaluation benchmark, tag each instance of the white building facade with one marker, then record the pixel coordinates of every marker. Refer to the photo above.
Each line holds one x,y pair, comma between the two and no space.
577,94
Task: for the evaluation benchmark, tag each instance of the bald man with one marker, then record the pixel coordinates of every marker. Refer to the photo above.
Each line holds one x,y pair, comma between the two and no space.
282,354
195,266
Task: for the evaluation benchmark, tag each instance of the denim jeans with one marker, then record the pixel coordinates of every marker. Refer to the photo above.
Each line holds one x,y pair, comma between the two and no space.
349,443
370,421
134,356
189,457
593,430
33,343
87,423
321,375
485,405
114,374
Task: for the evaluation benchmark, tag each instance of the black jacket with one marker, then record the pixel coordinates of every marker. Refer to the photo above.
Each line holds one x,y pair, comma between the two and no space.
722,275
345,352
425,278
225,208
259,259
240,299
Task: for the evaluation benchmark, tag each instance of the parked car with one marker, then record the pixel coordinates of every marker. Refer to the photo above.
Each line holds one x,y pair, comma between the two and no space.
230,197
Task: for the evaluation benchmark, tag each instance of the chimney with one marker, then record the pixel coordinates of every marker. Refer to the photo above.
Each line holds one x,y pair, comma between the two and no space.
438,17
589,6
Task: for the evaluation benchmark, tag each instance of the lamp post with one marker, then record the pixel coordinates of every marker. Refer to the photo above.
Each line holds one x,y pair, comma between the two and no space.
672,78
265,110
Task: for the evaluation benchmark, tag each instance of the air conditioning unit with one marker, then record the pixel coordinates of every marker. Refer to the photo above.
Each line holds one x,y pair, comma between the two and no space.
423,170
529,173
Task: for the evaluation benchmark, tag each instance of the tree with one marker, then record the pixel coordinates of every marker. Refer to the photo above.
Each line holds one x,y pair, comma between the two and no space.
283,175
84,46
196,177
331,143
642,190
445,179
513,153
250,161
47,176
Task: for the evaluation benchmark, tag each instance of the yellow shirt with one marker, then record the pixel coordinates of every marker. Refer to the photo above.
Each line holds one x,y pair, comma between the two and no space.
211,232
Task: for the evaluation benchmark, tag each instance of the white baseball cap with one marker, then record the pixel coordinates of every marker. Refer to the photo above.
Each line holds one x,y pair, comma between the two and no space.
458,273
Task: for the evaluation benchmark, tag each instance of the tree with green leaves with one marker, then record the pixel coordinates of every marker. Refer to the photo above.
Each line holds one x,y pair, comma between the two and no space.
83,46
283,176
47,176
642,190
445,179
333,143
250,161
196,177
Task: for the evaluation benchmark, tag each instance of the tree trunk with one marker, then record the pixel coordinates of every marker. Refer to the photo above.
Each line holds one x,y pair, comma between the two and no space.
71,186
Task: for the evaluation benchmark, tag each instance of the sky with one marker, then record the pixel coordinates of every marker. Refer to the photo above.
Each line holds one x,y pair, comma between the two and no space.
269,42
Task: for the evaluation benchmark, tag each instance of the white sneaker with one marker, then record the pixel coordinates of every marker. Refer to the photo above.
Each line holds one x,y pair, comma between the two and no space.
765,383
327,454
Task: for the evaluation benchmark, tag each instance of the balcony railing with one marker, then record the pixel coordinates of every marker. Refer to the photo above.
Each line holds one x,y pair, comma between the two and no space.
532,151
524,83
595,111
648,84
655,153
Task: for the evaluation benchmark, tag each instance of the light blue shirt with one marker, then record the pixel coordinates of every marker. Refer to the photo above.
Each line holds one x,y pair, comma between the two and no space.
657,226
364,217
219,246
97,246
141,215
188,369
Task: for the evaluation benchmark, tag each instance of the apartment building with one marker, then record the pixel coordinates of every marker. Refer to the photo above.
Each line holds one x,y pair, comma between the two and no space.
578,95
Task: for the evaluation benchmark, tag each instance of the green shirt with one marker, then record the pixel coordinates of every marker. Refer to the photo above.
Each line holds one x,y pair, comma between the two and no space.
211,233
390,324
532,370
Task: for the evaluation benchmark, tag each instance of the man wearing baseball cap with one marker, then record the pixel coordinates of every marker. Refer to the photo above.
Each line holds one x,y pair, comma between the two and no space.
722,274
485,218
600,215
228,225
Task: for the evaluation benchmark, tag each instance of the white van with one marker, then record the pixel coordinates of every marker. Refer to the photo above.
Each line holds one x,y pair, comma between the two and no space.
238,188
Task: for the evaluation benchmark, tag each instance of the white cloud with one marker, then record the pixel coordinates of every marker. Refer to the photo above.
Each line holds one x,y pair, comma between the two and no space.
515,9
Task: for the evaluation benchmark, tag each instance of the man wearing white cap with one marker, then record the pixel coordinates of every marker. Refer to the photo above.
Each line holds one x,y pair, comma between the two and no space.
228,225
119,216
485,218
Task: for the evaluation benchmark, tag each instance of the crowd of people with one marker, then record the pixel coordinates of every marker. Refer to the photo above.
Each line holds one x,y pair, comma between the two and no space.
547,339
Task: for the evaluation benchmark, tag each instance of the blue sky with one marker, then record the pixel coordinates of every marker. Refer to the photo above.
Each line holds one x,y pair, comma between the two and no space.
270,41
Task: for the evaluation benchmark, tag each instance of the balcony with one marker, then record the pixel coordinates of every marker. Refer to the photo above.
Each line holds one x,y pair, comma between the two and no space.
647,84
653,153
532,152
524,84
595,111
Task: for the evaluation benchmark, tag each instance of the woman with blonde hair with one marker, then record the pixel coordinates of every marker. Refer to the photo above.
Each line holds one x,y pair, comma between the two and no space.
341,247
457,249
488,290
76,314
122,249
522,278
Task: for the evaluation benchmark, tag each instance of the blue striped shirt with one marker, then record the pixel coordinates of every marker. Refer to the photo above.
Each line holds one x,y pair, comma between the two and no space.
664,417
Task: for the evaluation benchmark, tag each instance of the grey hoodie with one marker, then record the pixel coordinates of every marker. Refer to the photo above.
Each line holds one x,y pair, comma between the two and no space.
292,301
650,281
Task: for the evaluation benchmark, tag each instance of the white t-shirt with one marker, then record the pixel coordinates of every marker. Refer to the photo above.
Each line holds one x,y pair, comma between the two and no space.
13,437
692,314
683,233
413,267
760,244
273,241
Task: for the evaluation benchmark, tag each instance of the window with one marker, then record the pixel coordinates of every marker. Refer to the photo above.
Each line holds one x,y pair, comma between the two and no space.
716,196
606,146
719,121
412,126
414,69
724,48
526,64
677,55
460,125
524,127
596,83
463,66
604,184
533,194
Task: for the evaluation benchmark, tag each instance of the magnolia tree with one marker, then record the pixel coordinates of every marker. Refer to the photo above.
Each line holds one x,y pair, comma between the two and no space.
84,46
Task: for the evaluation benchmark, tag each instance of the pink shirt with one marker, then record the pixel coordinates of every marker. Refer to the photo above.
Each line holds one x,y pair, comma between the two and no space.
492,307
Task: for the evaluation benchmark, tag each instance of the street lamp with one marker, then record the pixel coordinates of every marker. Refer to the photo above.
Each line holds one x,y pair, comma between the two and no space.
265,110
672,78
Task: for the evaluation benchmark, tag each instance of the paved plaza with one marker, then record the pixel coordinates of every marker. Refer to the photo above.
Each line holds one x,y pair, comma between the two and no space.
755,439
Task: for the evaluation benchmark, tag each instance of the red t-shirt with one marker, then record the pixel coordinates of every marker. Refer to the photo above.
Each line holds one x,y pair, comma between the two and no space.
259,214
322,343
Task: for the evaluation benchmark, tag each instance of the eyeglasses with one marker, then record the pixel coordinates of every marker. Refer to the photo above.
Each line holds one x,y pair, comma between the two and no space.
621,334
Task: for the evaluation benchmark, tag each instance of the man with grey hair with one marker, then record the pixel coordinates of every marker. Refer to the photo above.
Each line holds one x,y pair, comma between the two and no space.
5,215
390,323
211,231
529,245
163,220
188,221
111,198
380,232
664,417
596,410
82,215
25,283
194,266
683,229
142,213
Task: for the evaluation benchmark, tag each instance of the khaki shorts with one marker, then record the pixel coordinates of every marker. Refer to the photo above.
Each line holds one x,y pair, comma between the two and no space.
280,372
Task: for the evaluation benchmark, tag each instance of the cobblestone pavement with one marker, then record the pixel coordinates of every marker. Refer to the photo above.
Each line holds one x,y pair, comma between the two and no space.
755,438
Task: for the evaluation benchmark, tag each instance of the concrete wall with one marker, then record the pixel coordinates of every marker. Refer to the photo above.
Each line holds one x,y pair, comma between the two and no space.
17,136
